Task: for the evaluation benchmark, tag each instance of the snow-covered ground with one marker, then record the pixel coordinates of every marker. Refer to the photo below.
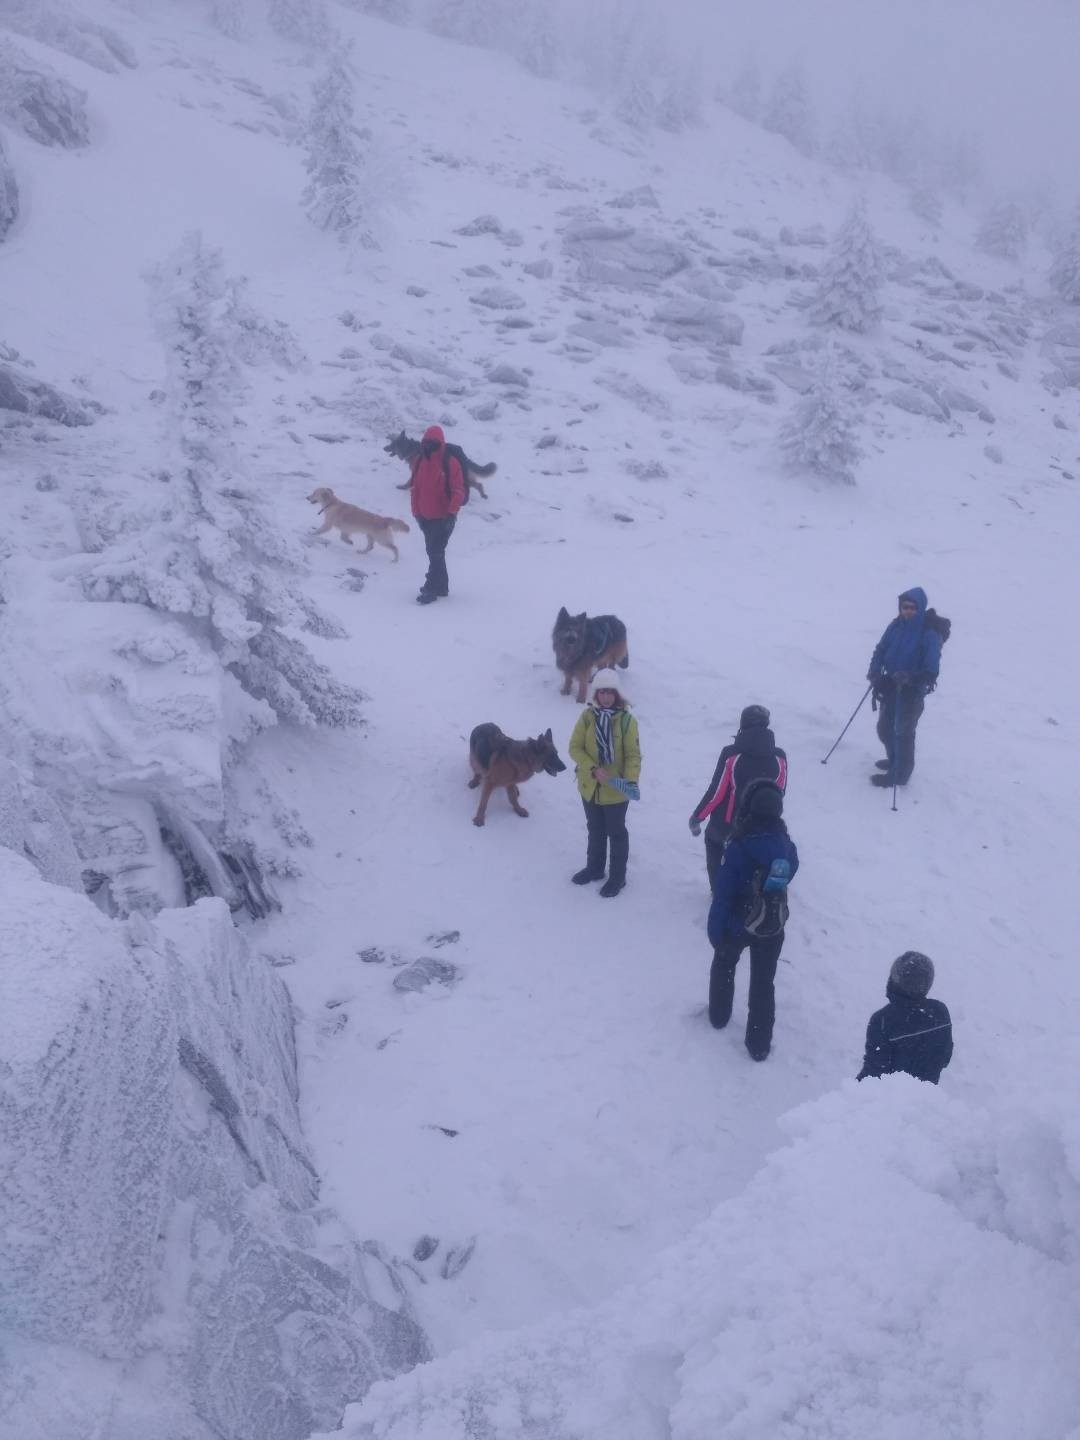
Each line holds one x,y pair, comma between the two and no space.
554,1138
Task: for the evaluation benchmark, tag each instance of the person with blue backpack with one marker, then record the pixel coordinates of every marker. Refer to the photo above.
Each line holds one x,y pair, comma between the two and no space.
750,909
903,671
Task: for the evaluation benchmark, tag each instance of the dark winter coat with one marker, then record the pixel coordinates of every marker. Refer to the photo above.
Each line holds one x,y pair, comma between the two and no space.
731,891
753,756
908,647
438,488
908,1034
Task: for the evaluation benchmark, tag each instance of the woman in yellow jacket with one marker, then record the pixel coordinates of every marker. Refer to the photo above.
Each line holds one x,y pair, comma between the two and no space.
605,748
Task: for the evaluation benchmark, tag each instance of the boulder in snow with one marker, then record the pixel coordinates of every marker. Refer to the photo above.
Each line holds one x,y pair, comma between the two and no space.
498,297
40,103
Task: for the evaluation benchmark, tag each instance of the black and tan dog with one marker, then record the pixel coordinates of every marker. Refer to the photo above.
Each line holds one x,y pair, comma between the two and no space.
584,644
499,763
403,447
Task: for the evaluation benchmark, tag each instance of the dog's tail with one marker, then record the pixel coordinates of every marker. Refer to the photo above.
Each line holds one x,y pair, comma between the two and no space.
396,524
482,470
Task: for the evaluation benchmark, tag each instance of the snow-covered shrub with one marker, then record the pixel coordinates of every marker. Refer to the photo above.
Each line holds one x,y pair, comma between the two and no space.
340,195
258,339
820,435
848,295
925,203
87,40
682,98
9,194
1065,267
1003,231
635,99
303,21
789,112
214,556
40,103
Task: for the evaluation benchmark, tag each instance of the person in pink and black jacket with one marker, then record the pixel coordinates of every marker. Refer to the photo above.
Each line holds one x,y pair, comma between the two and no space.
753,756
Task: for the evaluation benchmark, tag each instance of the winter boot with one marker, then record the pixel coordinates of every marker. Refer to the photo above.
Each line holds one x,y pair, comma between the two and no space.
586,876
612,888
885,780
881,764
426,597
757,1047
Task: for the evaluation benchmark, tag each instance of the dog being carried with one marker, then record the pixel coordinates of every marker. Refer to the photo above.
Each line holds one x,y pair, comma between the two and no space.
403,447
351,520
584,644
499,763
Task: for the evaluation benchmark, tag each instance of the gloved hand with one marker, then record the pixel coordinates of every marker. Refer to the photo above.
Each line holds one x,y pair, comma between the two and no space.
695,826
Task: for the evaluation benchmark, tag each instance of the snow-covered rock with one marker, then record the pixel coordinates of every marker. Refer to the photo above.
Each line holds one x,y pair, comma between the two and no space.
149,1091
40,103
26,394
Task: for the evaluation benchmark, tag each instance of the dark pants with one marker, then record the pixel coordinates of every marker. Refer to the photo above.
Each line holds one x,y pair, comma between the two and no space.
764,955
607,825
904,703
714,853
436,538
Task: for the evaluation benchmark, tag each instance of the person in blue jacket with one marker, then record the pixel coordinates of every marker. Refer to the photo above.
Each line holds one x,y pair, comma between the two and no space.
903,670
759,838
911,1033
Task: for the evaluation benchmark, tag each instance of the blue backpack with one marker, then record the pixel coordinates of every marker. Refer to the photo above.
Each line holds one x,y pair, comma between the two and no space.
767,906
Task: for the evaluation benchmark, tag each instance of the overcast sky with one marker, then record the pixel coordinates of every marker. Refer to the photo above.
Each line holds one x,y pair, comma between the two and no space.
1009,70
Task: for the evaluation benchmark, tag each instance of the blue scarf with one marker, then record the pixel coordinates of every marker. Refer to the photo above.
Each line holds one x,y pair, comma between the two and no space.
604,744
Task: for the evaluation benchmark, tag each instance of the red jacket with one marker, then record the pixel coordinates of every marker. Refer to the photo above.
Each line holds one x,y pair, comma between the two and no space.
430,497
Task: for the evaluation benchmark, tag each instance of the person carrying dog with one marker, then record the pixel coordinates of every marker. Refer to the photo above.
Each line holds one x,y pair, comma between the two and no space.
903,671
911,1033
438,492
749,908
607,753
754,755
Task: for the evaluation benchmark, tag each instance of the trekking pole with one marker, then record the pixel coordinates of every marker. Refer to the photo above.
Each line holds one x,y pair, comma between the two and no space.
847,727
899,692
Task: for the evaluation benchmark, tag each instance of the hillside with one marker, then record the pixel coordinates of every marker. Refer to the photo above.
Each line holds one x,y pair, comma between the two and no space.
566,1174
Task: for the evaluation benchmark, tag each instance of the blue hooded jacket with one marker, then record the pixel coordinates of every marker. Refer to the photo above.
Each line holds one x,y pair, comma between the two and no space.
908,646
742,855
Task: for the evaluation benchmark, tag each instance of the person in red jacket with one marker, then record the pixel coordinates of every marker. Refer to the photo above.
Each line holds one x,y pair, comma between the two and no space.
438,492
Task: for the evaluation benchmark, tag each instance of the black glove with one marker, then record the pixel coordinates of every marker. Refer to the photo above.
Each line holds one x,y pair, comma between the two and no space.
695,826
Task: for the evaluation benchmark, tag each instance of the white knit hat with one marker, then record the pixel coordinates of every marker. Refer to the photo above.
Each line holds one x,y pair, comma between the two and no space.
609,680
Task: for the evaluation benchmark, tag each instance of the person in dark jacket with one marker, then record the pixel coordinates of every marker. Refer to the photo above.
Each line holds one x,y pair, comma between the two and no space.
438,492
754,755
911,1033
903,670
759,837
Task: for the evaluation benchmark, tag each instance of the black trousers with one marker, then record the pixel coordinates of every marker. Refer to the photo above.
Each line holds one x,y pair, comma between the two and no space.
607,827
764,955
436,538
714,853
904,705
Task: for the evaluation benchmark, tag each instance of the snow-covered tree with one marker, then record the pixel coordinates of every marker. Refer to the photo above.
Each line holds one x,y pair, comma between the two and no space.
925,203
231,18
1004,231
211,555
682,98
538,44
848,295
820,435
1065,267
9,194
338,194
302,21
744,94
635,99
789,112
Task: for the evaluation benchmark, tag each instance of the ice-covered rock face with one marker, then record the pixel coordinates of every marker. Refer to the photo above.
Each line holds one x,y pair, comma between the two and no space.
161,1210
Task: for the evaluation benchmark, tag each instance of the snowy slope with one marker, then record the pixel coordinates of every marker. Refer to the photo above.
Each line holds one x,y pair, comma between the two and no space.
597,1119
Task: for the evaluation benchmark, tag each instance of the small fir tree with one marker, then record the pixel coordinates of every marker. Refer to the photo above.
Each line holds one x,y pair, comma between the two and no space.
1065,267
820,435
337,196
789,112
1003,232
848,296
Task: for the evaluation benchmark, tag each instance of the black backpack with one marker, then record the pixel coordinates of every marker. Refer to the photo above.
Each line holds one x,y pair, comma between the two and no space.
939,623
766,911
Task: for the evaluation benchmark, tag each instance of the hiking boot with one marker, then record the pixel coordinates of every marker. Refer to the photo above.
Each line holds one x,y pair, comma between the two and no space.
758,1049
586,877
881,764
884,780
611,888
426,597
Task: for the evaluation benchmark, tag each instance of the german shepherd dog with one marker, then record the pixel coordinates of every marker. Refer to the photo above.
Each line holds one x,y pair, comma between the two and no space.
351,520
499,763
584,644
404,448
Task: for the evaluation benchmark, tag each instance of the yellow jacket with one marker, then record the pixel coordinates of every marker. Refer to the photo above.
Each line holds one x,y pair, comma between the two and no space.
586,755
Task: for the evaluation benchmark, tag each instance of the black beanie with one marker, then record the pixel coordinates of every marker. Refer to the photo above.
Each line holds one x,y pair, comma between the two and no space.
912,974
753,715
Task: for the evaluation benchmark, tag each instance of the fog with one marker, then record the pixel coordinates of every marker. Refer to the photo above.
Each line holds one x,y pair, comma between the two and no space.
1004,70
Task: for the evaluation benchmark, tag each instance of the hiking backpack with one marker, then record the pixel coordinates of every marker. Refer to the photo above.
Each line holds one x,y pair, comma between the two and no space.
459,455
939,623
767,907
